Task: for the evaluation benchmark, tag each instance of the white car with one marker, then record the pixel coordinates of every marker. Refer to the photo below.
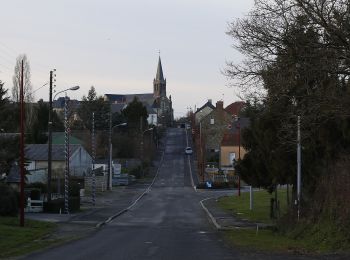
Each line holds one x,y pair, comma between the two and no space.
188,150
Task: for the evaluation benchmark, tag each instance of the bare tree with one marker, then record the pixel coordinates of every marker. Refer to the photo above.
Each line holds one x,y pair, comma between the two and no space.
27,87
16,79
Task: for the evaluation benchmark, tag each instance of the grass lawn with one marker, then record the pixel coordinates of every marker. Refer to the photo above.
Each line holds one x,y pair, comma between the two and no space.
268,239
16,240
261,205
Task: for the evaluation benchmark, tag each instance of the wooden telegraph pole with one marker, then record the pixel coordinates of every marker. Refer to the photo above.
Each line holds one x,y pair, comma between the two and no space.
22,150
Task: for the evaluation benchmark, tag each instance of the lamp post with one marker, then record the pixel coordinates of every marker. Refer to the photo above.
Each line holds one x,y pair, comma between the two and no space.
49,157
149,129
111,150
298,201
298,166
238,126
93,194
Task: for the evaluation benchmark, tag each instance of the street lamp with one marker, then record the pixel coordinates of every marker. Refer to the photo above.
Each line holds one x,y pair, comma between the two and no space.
295,103
238,126
149,129
49,157
111,150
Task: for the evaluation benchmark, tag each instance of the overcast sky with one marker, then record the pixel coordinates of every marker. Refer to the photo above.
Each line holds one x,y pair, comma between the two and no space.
113,45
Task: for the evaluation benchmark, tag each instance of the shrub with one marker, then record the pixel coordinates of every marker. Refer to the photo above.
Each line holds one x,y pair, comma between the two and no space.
58,204
35,194
9,201
137,172
74,189
37,185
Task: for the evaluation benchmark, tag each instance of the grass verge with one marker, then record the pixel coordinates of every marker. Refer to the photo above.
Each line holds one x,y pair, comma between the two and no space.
265,240
303,238
16,240
239,206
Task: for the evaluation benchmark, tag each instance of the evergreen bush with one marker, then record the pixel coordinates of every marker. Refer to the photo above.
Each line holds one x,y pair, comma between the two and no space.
9,201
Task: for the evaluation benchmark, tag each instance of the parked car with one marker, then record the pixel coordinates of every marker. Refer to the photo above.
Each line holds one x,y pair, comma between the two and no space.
188,150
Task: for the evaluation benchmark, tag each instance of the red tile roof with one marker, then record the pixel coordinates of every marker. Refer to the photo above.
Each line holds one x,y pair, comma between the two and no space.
235,108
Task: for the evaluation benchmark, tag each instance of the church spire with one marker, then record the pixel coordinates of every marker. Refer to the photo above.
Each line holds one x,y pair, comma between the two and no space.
159,75
159,83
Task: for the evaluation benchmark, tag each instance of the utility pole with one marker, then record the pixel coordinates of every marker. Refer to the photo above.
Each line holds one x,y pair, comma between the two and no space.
66,172
22,150
109,182
298,167
93,193
49,156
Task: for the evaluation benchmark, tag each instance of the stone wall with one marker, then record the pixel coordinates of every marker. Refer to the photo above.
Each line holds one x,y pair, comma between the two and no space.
101,183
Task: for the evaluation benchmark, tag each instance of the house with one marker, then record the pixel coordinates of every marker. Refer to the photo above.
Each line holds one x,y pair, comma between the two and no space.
157,103
213,126
231,145
79,159
235,108
203,111
59,138
13,178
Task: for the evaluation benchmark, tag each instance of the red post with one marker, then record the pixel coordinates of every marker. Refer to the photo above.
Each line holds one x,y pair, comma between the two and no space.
22,151
239,154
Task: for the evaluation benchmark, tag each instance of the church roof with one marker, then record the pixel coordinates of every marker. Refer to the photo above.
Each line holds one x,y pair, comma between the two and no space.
144,97
159,75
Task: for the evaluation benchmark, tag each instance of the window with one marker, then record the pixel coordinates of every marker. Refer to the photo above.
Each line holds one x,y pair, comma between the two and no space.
211,121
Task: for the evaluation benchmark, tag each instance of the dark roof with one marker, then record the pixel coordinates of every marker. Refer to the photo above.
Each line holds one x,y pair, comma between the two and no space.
39,152
58,138
117,108
116,98
150,108
207,104
235,108
231,135
14,175
145,97
59,103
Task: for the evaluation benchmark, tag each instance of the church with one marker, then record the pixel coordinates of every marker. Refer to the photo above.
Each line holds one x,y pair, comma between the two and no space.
159,106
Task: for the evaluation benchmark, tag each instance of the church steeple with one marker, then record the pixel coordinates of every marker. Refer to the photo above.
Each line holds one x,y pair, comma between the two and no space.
159,75
159,83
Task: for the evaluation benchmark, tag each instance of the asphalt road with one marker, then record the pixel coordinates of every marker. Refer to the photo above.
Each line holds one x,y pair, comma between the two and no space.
167,223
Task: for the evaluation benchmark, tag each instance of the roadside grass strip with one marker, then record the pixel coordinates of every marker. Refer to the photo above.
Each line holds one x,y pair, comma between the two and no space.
239,205
265,240
16,240
305,238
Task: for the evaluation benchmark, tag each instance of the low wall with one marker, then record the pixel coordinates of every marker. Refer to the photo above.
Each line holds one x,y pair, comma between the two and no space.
100,182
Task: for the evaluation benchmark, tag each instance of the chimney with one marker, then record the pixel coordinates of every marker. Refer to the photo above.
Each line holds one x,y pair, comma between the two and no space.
209,101
220,105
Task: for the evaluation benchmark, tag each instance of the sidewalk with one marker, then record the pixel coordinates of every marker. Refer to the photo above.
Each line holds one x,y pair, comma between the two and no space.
223,220
107,204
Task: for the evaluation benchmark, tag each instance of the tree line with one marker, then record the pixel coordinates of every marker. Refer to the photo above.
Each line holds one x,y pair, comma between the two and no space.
126,142
297,63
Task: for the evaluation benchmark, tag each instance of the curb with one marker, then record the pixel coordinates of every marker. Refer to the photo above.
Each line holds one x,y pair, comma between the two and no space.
218,227
135,202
